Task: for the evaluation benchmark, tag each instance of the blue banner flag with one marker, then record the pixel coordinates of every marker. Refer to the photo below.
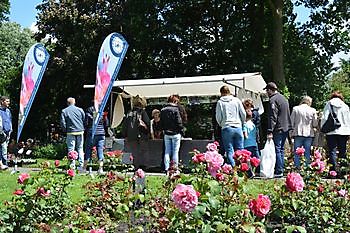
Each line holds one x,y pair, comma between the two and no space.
33,69
110,58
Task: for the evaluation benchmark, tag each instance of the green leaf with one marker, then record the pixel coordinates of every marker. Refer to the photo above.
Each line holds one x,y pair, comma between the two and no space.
206,228
214,202
221,227
232,210
295,204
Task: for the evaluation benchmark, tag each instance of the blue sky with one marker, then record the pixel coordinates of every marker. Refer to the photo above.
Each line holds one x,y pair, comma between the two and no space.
24,12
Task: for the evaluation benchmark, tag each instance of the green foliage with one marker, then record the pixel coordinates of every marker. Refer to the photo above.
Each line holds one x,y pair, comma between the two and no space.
340,80
50,151
32,211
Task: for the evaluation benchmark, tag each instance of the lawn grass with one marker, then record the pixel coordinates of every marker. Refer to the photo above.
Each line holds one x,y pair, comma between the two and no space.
154,185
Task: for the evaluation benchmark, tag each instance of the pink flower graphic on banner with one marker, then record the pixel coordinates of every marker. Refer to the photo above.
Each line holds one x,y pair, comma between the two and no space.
140,173
260,206
72,155
23,177
185,197
214,161
103,78
300,151
27,85
294,182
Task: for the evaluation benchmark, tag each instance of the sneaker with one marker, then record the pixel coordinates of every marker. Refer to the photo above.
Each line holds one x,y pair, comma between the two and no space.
101,172
4,167
278,175
81,170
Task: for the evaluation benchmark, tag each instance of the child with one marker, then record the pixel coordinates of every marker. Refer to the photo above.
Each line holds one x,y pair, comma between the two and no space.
250,134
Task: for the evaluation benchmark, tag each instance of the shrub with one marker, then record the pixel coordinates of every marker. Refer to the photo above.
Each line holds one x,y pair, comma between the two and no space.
50,151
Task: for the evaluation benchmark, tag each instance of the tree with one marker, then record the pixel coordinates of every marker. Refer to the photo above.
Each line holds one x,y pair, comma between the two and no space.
340,80
4,10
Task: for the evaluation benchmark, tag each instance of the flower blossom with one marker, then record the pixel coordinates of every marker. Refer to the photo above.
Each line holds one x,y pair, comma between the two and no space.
317,155
72,155
140,173
71,172
294,182
300,151
244,167
57,163
214,161
254,161
319,165
23,177
226,168
260,206
41,192
97,231
342,192
333,173
242,155
212,147
198,158
185,197
18,192
220,176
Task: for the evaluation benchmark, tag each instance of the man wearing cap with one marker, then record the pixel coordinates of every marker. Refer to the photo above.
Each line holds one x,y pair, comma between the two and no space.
279,123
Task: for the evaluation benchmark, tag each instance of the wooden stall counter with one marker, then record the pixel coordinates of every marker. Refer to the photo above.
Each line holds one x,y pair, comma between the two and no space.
148,155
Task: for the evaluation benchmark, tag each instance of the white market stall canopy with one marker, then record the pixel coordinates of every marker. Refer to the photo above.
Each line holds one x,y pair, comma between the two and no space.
190,86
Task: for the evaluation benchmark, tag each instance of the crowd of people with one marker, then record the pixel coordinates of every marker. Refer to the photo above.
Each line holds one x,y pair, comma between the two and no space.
239,122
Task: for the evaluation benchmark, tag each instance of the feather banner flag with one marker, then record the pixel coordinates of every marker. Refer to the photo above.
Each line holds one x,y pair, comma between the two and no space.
110,58
33,69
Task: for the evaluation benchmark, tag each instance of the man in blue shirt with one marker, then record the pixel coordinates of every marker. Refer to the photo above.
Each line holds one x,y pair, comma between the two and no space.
6,118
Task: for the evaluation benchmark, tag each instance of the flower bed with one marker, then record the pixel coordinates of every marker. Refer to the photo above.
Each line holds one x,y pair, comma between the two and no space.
213,198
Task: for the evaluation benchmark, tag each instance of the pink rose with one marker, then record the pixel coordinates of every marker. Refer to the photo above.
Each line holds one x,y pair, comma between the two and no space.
198,158
72,155
57,163
220,176
319,165
41,192
140,173
97,231
214,161
23,177
185,197
94,149
244,167
18,192
300,151
110,153
71,172
260,206
254,161
226,168
333,173
242,155
342,192
212,147
294,182
320,188
317,155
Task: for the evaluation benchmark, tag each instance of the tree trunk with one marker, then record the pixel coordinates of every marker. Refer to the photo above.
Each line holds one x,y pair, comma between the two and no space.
277,47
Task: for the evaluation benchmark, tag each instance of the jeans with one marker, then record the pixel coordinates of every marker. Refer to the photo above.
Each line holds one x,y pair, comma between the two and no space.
3,151
279,140
172,147
334,142
232,139
98,141
75,142
305,142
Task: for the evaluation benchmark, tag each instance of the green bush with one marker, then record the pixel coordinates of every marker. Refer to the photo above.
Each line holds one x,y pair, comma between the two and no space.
50,151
